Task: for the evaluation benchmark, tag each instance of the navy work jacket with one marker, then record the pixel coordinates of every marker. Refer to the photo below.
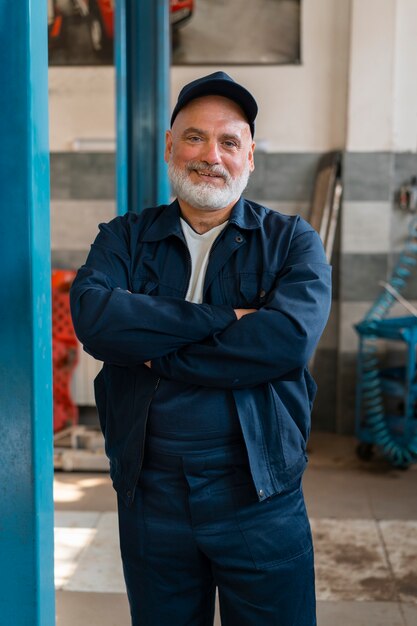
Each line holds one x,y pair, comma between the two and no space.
128,307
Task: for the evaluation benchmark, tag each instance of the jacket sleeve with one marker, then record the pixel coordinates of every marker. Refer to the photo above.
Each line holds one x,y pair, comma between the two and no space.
276,341
124,328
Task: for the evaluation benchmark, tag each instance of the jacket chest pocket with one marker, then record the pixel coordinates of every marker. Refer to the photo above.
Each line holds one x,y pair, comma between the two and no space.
248,290
151,287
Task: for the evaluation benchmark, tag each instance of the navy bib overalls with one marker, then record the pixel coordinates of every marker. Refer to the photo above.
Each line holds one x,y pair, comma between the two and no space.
196,524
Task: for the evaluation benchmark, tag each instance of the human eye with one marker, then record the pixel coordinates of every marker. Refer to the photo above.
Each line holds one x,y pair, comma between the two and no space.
194,138
231,143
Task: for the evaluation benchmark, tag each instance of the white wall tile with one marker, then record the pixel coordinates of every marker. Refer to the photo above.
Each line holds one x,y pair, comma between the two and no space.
366,227
74,223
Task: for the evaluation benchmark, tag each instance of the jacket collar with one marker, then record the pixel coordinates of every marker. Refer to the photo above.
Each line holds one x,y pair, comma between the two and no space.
244,216
168,222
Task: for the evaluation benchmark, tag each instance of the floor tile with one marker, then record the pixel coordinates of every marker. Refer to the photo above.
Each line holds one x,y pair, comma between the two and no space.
400,539
91,609
360,514
99,567
340,494
410,614
74,530
393,496
83,491
327,450
76,519
359,614
350,561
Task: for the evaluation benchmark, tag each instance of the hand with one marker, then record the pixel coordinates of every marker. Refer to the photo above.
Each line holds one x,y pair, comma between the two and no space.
148,364
241,312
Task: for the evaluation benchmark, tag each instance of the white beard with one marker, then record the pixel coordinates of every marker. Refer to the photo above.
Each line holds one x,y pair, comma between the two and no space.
203,195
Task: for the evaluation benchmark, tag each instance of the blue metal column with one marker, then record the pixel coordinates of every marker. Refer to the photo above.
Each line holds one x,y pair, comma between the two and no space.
142,59
26,453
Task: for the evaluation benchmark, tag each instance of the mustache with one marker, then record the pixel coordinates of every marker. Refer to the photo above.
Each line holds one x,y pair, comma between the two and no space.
201,166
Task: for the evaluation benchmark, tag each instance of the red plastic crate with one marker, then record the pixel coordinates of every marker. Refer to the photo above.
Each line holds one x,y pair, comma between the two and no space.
64,350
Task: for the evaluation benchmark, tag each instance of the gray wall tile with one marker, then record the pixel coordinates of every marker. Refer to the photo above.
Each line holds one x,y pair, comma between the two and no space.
401,222
360,275
366,226
284,176
280,177
74,223
82,176
60,175
367,176
350,314
405,168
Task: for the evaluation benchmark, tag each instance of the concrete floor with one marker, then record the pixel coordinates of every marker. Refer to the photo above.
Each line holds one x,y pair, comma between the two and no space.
364,521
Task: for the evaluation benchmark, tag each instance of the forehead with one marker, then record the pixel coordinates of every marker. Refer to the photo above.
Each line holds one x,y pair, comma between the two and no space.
211,112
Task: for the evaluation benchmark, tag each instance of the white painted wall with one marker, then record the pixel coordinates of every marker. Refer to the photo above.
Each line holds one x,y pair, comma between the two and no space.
81,105
405,86
302,108
382,102
356,86
371,75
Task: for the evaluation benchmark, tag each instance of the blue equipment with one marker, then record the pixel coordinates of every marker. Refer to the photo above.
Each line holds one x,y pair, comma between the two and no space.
395,435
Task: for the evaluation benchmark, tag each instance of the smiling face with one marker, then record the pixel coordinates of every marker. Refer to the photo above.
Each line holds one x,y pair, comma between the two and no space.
210,153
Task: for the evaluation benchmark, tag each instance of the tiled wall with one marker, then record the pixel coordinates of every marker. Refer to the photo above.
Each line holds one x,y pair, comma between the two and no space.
372,232
83,192
82,195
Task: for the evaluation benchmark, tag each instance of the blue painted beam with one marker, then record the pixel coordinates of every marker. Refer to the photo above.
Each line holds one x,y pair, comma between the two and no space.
26,453
142,60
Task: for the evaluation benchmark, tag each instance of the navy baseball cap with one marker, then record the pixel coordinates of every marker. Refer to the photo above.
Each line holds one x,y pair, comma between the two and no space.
218,84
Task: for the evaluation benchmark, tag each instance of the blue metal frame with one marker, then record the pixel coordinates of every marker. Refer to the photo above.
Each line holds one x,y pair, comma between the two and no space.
142,60
26,456
120,62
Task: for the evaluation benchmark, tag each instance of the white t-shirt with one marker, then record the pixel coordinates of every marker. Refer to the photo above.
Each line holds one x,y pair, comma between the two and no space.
199,247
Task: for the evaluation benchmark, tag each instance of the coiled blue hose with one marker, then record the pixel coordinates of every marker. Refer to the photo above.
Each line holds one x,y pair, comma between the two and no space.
399,453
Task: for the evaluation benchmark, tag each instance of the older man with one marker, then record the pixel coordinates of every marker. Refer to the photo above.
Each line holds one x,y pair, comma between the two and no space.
205,313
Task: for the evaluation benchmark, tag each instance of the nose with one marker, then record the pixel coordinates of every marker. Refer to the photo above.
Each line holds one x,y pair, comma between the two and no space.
211,153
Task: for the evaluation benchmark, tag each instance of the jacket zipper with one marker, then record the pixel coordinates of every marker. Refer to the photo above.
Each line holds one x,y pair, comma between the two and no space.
158,381
189,269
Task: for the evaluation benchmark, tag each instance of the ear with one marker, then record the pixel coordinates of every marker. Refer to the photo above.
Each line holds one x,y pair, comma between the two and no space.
168,145
250,157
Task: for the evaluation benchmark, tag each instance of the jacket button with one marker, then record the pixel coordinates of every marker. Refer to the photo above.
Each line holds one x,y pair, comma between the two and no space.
262,293
261,493
239,239
129,493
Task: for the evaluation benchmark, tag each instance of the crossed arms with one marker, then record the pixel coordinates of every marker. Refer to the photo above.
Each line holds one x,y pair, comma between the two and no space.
200,343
